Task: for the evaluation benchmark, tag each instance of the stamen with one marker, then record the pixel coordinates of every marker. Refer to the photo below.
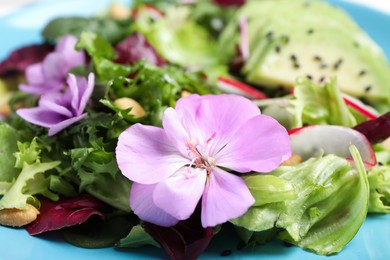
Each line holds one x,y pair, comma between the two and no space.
213,134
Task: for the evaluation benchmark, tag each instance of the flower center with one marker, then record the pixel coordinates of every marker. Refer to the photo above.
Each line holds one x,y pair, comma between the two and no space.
199,154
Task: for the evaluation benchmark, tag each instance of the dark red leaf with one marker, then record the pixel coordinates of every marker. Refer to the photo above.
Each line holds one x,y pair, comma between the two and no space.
376,130
184,241
64,213
135,48
229,2
21,58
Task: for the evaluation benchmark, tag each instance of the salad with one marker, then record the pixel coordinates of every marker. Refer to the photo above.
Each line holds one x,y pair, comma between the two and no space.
165,123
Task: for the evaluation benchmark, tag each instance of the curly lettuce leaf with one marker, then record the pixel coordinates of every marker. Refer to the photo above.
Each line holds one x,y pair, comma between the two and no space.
100,177
379,179
92,159
330,204
155,88
29,182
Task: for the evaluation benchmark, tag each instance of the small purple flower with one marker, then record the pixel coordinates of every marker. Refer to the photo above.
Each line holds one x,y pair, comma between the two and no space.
50,74
187,160
58,110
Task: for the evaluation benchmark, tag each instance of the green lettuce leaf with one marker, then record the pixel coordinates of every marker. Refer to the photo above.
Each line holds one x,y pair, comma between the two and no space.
29,182
323,211
137,237
8,145
111,30
155,88
92,159
311,104
379,179
178,38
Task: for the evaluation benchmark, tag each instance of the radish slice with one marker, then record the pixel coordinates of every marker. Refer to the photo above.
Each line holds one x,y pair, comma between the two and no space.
311,141
244,40
152,11
236,87
360,107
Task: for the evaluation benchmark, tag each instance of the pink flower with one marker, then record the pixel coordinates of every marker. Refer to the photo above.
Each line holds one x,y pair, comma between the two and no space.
58,110
50,74
174,167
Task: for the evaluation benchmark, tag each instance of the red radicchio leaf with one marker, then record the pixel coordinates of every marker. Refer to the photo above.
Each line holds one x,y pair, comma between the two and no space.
64,213
184,241
376,130
135,48
20,59
229,2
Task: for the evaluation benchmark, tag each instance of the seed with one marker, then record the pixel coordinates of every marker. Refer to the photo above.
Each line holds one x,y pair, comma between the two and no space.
277,49
362,72
296,65
309,77
293,57
226,252
310,31
269,35
337,64
380,163
285,39
18,217
323,66
322,79
126,103
317,58
368,88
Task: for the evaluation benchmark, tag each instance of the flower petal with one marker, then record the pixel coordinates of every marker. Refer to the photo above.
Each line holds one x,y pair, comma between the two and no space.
141,202
51,101
67,47
219,116
54,67
64,124
144,154
261,144
226,197
178,195
86,92
175,132
74,92
40,116
34,74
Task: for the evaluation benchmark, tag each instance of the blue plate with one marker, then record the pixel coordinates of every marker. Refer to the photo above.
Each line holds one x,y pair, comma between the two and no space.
23,27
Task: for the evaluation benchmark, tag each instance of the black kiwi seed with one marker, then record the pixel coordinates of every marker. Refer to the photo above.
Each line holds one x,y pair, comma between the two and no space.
368,88
337,64
317,58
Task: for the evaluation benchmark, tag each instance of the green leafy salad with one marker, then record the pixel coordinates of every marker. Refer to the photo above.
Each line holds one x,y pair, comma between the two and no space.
165,122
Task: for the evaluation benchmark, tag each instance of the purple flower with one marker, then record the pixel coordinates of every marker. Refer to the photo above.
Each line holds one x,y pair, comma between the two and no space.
58,110
175,166
50,74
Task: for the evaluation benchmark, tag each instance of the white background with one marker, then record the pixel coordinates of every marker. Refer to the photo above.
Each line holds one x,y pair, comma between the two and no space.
8,6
